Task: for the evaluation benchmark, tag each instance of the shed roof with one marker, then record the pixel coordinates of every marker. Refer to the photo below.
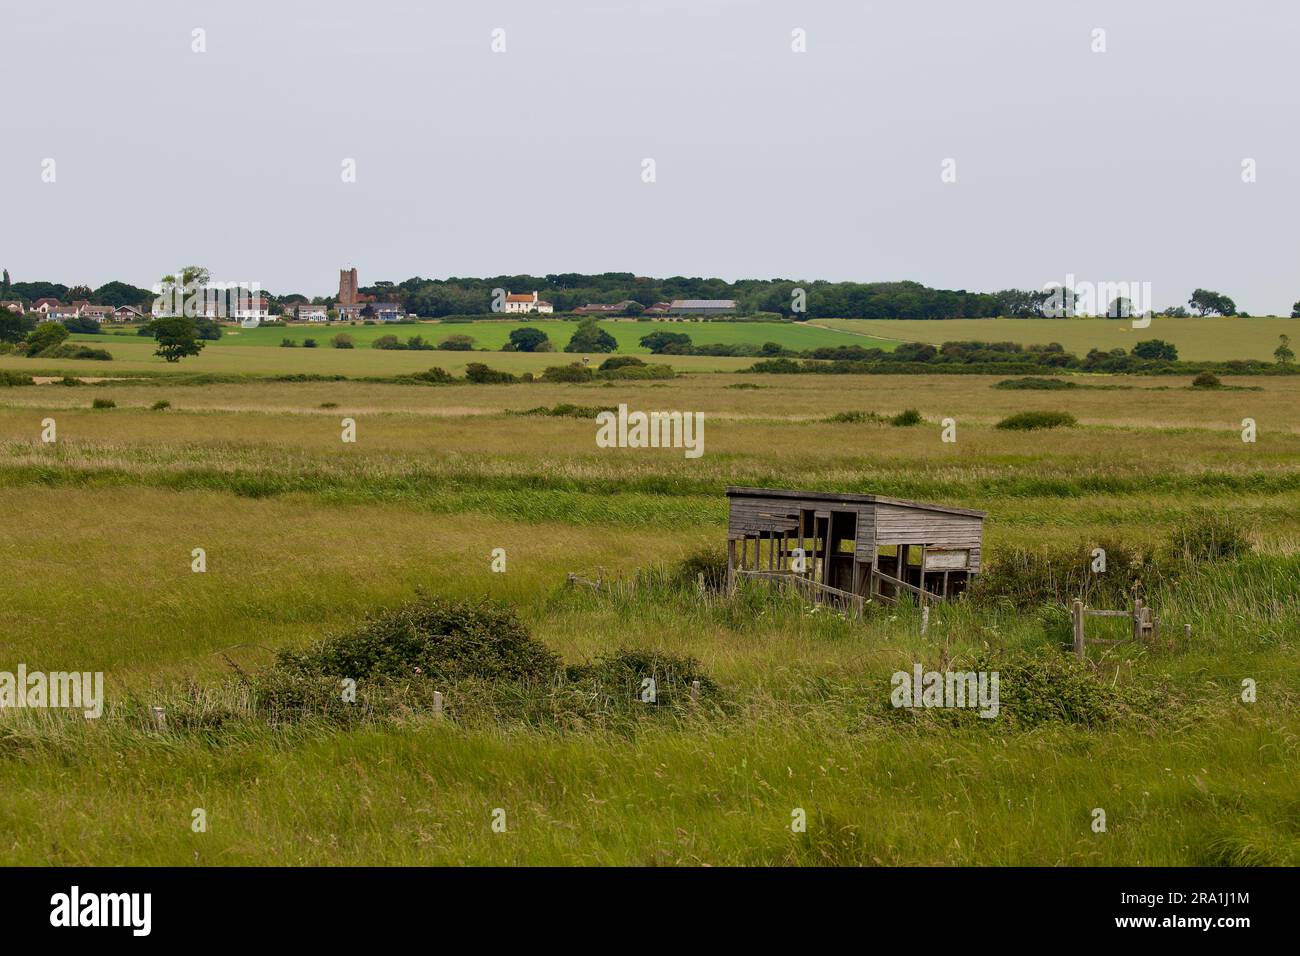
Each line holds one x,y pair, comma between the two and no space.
845,497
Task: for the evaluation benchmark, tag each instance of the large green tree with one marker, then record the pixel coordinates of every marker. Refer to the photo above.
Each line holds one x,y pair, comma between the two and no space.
1208,302
528,339
177,336
590,337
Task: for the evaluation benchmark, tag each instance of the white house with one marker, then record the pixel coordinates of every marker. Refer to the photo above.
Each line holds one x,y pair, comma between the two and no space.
526,303
249,307
307,312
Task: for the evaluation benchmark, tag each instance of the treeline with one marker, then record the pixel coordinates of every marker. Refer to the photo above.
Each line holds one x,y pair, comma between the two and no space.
1153,357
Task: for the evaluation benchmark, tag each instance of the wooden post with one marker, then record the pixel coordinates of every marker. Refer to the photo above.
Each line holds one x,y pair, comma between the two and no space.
1187,632
159,716
1078,629
731,565
925,618
695,692
1137,619
437,704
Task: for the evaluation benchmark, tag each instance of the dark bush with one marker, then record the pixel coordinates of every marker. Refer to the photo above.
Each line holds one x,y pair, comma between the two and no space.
567,373
1031,421
103,403
906,419
709,561
480,374
436,638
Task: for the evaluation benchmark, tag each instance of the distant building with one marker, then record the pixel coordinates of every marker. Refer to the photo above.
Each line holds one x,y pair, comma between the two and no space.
43,306
13,305
61,313
602,308
100,313
249,307
306,312
659,308
127,313
526,303
387,311
702,307
348,286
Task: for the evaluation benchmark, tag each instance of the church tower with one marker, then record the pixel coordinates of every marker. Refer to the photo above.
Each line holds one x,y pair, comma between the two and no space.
348,286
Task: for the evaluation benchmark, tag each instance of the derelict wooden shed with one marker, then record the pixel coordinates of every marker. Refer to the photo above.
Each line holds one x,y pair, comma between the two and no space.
855,545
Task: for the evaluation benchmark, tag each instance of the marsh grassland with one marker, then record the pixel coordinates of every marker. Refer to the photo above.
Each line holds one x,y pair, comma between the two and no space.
305,535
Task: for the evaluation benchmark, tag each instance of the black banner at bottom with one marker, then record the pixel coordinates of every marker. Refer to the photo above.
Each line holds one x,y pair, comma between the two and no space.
654,905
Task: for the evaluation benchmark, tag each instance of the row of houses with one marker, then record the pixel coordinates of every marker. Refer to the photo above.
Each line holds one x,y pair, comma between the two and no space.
217,304
216,307
57,311
677,307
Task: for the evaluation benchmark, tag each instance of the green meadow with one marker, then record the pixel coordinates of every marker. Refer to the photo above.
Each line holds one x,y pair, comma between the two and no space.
1197,339
306,536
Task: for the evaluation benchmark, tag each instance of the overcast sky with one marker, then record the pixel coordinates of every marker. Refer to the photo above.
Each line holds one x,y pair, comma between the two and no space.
1123,165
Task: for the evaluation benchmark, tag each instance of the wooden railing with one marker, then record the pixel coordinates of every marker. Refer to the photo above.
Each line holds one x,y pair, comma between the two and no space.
877,576
814,591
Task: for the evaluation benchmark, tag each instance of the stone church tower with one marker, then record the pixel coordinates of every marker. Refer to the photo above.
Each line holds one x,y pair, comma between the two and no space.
348,286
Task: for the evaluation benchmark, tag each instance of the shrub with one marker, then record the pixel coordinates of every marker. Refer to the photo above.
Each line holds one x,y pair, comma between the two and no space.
567,373
567,410
434,376
906,419
647,372
1031,421
329,404
343,341
1209,537
620,361
853,418
309,343
386,342
435,638
161,405
614,679
288,344
8,378
710,561
480,374
456,343
416,343
103,403
1041,384
1027,578
1207,380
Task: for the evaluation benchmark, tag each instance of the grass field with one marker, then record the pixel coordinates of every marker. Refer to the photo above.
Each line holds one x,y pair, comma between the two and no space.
1211,339
305,534
257,351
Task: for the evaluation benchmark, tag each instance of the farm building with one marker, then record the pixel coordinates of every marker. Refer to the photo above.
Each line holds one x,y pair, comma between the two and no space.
855,547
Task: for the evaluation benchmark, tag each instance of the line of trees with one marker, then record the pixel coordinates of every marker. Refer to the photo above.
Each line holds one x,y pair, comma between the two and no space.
464,296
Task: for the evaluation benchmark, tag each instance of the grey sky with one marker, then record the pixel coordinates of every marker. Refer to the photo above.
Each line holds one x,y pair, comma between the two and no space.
1123,165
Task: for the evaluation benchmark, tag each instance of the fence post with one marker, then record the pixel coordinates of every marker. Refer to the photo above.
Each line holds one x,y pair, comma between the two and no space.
1077,611
159,717
1137,619
1187,632
695,692
437,704
925,619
